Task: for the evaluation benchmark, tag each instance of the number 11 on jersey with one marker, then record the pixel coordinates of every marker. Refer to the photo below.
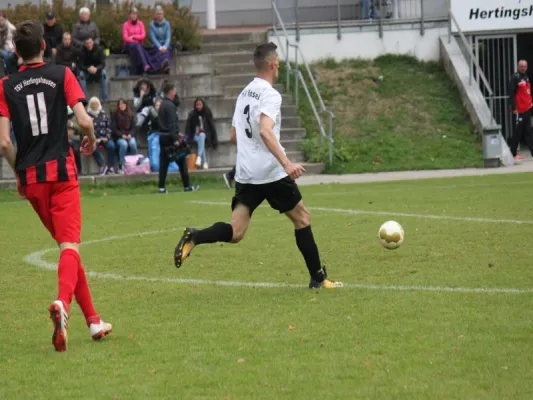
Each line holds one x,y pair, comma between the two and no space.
37,130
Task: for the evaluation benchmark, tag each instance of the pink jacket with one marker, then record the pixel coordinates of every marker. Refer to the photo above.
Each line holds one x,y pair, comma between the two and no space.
136,32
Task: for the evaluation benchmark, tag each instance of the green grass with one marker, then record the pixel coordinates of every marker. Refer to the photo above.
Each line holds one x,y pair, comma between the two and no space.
393,113
200,341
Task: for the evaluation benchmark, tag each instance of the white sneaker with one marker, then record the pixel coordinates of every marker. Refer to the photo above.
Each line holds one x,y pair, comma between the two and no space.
98,331
59,317
198,162
205,166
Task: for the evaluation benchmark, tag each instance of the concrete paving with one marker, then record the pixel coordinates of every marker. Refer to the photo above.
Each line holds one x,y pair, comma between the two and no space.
526,166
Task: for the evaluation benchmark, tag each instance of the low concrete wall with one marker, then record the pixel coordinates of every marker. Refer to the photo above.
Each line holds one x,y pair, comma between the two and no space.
363,41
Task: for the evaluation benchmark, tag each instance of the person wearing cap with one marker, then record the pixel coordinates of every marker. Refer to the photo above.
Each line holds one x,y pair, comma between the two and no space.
7,30
53,34
85,29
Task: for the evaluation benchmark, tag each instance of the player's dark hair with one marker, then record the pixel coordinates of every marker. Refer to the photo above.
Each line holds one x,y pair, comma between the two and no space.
262,54
167,88
28,38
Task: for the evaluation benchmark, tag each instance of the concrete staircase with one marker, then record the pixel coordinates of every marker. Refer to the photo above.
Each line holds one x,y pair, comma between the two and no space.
217,73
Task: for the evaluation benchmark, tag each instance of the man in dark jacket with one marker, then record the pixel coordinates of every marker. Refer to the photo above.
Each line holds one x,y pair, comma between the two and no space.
92,68
67,54
172,144
521,102
53,35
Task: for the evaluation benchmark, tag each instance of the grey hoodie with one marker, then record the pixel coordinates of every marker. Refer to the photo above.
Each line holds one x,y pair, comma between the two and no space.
83,31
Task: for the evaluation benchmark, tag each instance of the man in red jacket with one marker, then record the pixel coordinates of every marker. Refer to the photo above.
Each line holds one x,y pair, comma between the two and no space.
521,103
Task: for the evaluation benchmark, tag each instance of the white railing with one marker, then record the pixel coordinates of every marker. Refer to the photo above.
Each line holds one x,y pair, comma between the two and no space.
299,78
472,61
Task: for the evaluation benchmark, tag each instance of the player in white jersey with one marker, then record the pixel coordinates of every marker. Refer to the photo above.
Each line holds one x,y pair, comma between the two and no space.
263,172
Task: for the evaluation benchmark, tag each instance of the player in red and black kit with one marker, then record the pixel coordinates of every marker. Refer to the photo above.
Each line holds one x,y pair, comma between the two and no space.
35,100
521,103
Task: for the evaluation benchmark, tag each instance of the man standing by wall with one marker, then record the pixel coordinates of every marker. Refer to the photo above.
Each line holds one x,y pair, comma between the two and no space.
521,102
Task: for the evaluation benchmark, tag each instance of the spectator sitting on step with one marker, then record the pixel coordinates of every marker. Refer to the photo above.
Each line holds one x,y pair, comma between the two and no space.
102,131
68,54
85,29
123,127
133,35
201,130
7,30
160,36
152,117
92,67
144,95
53,35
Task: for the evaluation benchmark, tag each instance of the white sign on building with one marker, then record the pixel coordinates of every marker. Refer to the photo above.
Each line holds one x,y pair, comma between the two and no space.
492,15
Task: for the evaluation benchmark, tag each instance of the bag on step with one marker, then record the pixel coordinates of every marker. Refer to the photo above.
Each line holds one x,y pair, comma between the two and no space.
136,165
153,154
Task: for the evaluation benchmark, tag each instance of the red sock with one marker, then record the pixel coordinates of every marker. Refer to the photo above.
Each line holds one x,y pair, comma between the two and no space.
67,271
84,299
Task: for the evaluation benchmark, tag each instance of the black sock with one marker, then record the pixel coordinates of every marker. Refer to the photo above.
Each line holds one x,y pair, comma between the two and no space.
307,245
218,232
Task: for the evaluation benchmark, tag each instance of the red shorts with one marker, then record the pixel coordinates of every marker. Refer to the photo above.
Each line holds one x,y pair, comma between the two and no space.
58,206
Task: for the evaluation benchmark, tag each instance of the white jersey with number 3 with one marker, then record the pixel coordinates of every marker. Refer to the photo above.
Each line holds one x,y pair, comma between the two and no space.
255,163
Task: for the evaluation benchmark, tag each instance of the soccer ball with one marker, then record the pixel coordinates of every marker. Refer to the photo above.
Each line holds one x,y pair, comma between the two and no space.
391,235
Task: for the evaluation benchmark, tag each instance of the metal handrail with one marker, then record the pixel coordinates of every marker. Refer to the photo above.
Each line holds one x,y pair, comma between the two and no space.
473,62
298,77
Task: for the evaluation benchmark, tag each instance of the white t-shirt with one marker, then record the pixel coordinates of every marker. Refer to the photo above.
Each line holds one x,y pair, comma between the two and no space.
255,163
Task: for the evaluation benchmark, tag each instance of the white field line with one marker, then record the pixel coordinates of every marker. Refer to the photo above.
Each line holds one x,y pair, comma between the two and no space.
397,214
36,259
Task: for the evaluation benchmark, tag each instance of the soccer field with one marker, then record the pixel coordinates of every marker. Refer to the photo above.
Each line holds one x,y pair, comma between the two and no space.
446,316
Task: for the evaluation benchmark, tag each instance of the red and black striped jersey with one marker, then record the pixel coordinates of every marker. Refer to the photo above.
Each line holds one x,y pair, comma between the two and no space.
35,100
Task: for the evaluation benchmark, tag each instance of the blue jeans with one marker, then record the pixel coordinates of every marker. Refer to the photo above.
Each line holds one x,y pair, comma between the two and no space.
200,141
366,6
109,146
4,55
85,77
126,147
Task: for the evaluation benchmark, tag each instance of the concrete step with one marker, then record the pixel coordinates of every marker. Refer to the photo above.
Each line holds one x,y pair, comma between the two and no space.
187,85
235,79
223,125
296,156
225,108
234,68
292,133
225,47
185,62
218,37
234,90
314,168
291,144
311,169
227,58
221,107
5,170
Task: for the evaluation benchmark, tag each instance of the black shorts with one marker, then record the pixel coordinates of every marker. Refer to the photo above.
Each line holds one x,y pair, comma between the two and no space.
282,195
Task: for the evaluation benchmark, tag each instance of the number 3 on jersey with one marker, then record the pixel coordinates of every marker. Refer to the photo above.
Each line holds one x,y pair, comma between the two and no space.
247,113
37,129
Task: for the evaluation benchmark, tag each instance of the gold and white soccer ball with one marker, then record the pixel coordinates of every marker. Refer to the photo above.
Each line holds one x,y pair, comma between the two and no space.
391,235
